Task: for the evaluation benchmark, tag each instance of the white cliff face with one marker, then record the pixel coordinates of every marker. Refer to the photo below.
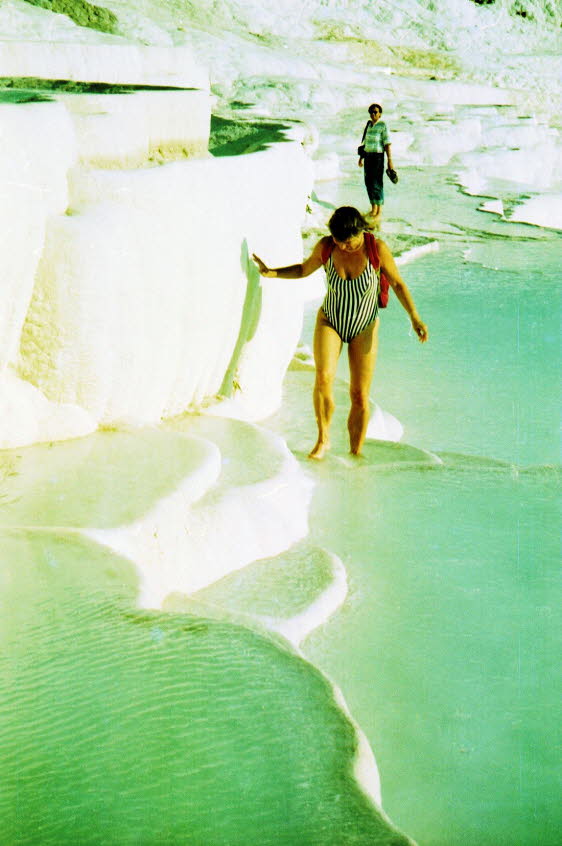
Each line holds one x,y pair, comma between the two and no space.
124,131
38,148
129,294
140,293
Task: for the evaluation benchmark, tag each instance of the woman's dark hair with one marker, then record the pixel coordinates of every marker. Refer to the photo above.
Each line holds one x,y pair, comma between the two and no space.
375,106
346,222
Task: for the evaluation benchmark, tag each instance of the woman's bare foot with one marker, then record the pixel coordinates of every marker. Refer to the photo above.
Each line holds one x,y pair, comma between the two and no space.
319,450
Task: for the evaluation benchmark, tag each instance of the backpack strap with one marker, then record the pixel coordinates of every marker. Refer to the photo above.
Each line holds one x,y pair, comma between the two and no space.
374,258
372,251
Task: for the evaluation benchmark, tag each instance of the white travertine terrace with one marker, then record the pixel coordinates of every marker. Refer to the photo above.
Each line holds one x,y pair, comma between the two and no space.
128,294
140,292
113,62
126,130
34,42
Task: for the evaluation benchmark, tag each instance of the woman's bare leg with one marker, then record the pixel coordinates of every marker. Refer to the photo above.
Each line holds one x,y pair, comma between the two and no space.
362,352
327,348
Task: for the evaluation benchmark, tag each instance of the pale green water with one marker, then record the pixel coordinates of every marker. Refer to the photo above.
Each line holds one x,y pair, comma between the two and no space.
488,382
448,649
126,727
120,726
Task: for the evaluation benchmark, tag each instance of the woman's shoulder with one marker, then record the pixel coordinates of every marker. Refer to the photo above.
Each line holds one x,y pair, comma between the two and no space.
383,249
378,243
323,248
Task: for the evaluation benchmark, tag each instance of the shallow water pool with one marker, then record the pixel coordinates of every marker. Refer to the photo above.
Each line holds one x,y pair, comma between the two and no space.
448,648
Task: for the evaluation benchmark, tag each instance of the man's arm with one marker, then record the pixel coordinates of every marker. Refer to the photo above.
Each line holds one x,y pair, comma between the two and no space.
388,156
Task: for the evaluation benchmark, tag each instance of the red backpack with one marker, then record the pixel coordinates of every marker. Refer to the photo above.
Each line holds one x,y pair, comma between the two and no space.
373,254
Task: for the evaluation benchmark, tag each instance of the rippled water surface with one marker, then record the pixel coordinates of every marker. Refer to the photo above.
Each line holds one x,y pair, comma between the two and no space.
128,727
448,648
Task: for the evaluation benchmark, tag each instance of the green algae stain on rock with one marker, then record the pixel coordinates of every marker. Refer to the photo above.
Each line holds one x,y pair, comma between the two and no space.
40,85
22,96
239,137
82,13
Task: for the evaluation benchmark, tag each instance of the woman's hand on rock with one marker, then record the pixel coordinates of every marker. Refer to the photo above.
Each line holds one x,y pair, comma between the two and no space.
262,267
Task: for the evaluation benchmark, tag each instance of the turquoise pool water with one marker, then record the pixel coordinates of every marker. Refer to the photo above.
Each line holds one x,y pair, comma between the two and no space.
488,382
125,727
448,648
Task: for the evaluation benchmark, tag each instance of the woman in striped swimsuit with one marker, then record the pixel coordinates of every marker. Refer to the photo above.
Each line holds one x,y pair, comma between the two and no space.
349,314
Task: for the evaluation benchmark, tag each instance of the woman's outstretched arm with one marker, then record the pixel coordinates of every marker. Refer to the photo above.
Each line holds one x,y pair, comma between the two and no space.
293,271
388,266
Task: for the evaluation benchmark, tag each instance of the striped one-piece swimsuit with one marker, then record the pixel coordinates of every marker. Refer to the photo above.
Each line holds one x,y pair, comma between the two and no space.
350,305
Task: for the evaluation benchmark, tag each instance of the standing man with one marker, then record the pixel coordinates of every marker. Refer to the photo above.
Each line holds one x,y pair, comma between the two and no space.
374,144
